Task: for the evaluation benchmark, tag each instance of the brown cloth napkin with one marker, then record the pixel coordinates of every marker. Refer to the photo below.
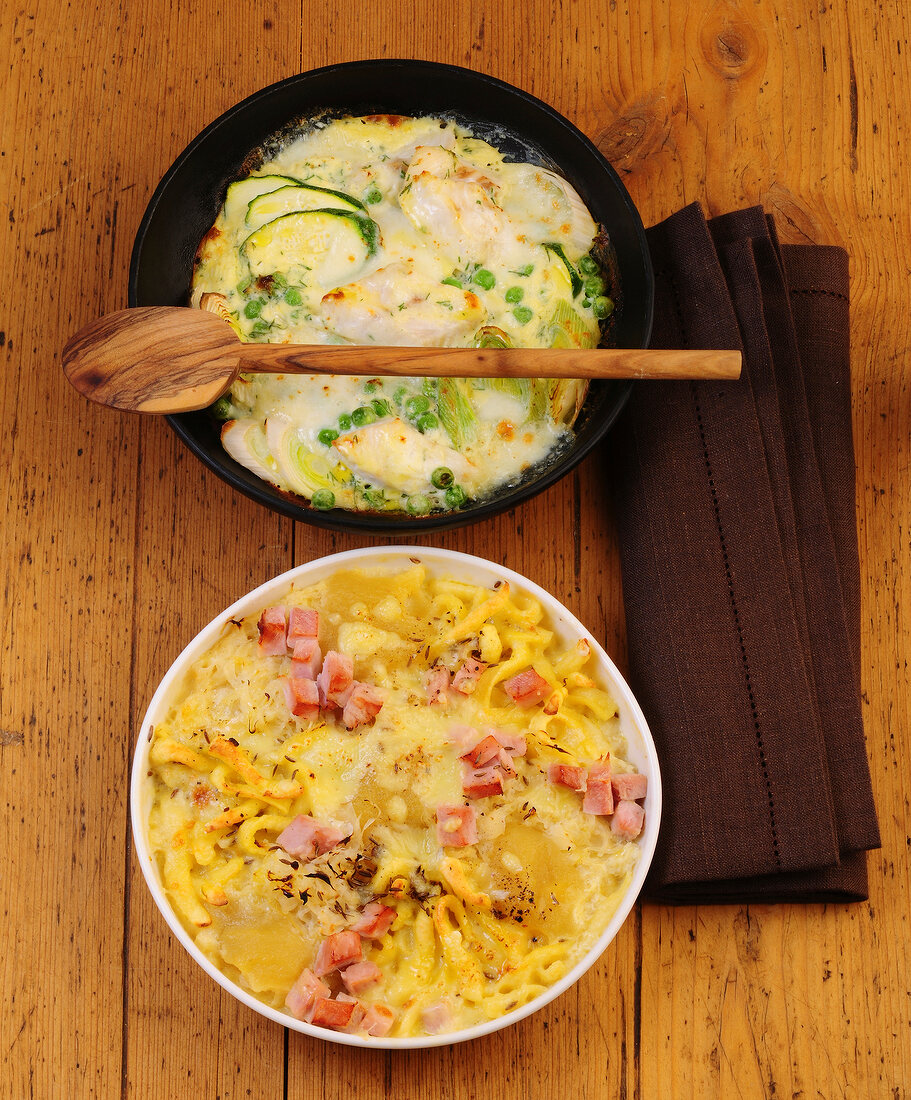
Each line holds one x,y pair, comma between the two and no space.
735,509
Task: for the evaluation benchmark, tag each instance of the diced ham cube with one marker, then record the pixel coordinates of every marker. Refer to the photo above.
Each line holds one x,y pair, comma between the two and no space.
306,658
436,1018
303,622
456,826
299,838
302,696
438,685
359,975
332,1014
567,775
336,952
481,782
600,771
329,837
304,992
527,688
599,795
505,762
599,798
466,678
335,679
629,786
357,1014
273,632
375,920
363,704
484,751
627,820
514,744
378,1019
305,837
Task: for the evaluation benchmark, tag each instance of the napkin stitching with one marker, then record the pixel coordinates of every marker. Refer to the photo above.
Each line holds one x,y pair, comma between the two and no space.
716,509
818,290
669,275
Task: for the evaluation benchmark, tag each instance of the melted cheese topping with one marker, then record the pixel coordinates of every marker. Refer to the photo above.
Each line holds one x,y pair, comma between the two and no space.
479,929
400,231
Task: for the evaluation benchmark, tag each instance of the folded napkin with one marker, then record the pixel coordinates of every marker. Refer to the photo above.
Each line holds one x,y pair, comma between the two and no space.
735,510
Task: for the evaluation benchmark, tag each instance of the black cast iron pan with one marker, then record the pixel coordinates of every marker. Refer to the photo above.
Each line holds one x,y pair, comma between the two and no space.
187,201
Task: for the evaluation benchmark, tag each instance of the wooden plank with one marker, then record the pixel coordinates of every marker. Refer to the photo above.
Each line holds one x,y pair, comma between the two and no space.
202,547
69,522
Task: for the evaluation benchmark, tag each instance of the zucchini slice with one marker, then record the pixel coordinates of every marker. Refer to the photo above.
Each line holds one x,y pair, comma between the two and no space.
288,200
243,192
332,244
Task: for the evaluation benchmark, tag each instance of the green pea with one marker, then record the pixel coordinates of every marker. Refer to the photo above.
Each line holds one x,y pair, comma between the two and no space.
442,477
253,308
452,281
279,283
426,423
372,386
374,194
593,286
376,498
399,396
514,294
522,314
587,265
416,405
484,278
362,415
602,308
327,435
418,505
344,422
260,328
455,496
293,296
222,409
323,499
525,270
381,406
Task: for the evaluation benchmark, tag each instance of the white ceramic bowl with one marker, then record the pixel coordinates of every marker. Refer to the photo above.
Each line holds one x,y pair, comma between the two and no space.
641,752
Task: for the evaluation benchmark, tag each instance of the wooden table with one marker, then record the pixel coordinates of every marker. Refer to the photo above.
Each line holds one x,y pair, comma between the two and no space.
118,545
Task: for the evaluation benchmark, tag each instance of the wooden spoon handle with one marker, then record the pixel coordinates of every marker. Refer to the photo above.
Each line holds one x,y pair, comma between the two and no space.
489,363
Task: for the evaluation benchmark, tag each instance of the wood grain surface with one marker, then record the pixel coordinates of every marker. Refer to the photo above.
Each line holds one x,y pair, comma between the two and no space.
118,545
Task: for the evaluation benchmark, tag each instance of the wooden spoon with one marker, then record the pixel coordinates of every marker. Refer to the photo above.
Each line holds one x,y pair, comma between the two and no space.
168,359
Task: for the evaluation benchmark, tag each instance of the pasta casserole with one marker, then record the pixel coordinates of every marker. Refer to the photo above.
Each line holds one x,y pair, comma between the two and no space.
393,803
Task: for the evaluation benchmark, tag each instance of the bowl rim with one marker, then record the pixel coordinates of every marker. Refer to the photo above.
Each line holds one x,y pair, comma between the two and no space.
377,523
633,721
